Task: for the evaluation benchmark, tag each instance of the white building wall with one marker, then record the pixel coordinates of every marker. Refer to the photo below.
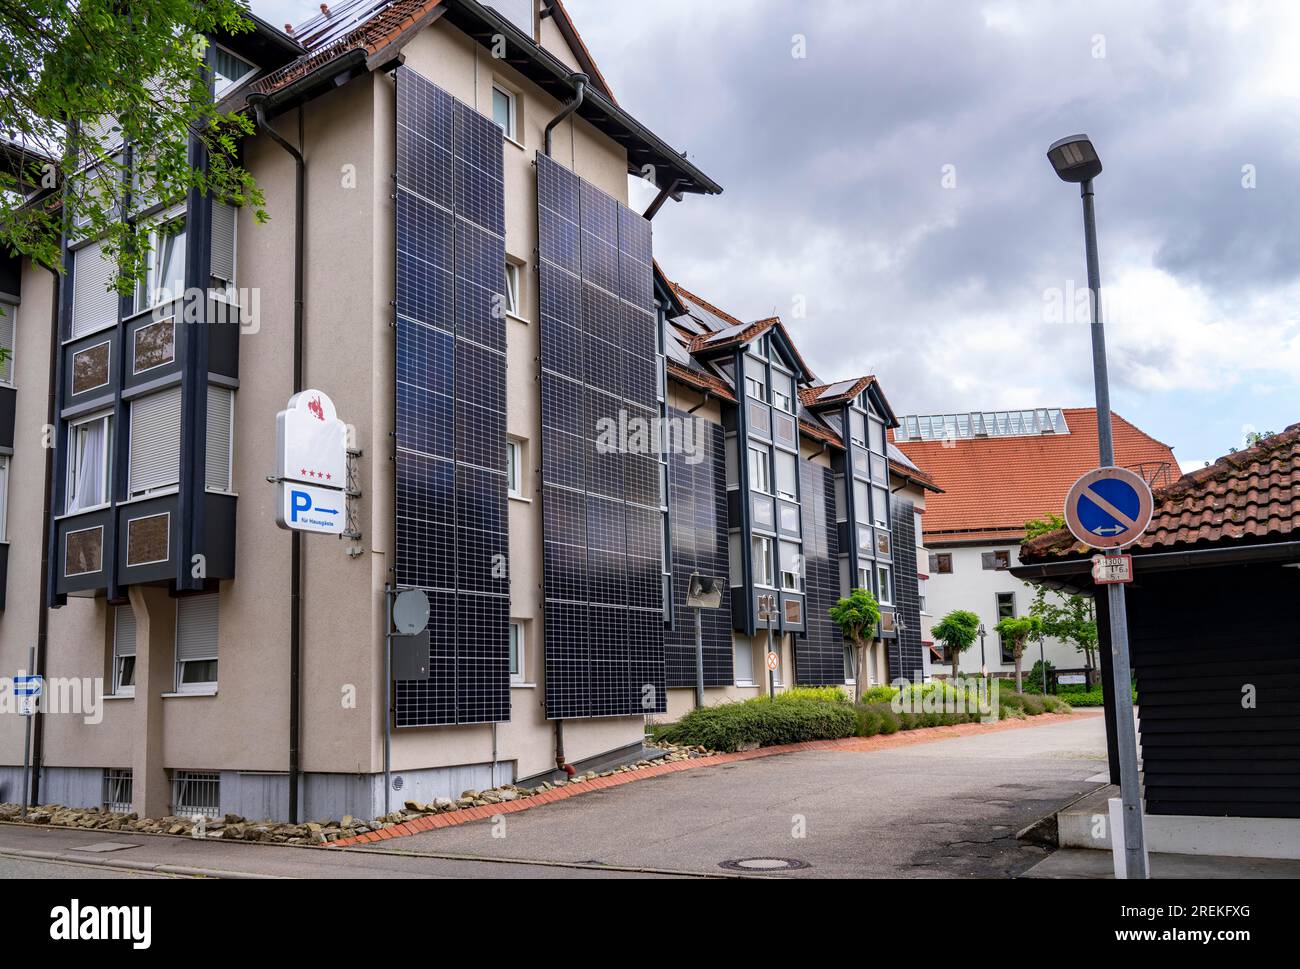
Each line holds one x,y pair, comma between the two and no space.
970,586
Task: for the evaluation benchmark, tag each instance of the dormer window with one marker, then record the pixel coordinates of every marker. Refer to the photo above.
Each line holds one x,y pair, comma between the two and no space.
229,71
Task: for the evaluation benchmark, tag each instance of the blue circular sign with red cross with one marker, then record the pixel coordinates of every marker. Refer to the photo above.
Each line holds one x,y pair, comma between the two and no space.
1108,508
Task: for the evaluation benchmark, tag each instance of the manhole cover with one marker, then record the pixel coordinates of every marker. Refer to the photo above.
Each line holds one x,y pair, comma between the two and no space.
764,864
106,846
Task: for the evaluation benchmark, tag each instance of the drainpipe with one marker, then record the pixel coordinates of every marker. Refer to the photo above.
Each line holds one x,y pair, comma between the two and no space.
258,103
580,82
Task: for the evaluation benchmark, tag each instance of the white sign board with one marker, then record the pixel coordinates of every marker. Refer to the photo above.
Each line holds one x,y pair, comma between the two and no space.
311,465
1108,508
1071,678
1112,569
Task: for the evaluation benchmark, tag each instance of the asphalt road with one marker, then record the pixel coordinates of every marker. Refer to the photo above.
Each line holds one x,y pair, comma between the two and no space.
947,808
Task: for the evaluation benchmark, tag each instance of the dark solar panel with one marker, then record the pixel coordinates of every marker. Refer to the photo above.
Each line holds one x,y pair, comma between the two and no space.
698,512
819,653
905,653
451,528
602,525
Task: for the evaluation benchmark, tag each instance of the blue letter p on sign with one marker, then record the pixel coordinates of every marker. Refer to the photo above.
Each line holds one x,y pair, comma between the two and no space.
298,501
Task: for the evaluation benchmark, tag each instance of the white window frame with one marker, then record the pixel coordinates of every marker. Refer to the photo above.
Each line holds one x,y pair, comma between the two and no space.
514,288
791,495
884,574
754,454
165,488
70,468
736,647
767,577
921,581
797,584
149,287
11,313
517,647
511,128
229,488
514,467
4,498
120,688
206,686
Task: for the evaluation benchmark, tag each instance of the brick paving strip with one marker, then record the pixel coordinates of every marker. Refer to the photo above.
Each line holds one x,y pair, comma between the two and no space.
903,738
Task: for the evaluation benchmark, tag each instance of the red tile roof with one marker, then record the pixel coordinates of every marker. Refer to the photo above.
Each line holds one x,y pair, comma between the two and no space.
993,485
813,396
1251,496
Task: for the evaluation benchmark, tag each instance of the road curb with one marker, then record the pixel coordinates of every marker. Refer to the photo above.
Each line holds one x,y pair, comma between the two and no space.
152,867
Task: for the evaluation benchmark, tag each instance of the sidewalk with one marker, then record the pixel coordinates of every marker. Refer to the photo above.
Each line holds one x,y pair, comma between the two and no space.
1092,864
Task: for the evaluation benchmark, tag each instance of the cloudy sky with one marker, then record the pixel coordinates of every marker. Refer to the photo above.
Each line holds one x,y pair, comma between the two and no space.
887,192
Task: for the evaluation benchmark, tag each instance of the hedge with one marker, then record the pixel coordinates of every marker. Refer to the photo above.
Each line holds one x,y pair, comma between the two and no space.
762,722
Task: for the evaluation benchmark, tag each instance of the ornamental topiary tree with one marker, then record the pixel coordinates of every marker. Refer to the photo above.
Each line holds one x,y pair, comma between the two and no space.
957,632
1017,633
857,616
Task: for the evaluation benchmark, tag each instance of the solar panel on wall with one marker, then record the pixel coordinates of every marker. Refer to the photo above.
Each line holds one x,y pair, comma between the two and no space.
697,493
905,658
600,494
451,535
819,654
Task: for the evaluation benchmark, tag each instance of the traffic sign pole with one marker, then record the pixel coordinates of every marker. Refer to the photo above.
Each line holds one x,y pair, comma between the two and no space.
1126,735
27,744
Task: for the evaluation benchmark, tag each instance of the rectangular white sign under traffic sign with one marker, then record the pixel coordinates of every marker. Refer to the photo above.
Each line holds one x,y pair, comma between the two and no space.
1112,569
308,508
28,705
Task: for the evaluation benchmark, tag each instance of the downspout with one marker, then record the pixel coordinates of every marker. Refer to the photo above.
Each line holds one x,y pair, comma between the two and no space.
258,103
580,82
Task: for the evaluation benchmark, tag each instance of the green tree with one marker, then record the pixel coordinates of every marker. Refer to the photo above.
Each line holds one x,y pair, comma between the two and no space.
1041,526
79,79
857,616
957,632
1017,632
1068,617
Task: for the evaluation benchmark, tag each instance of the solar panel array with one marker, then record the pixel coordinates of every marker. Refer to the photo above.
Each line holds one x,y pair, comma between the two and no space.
451,400
905,658
697,491
602,525
819,653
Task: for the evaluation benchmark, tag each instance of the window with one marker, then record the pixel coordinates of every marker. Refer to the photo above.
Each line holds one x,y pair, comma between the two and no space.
858,428
230,71
879,470
512,288
743,651
504,111
94,301
760,470
755,379
880,507
196,644
123,651
88,461
998,561
922,605
1006,607
850,673
217,470
877,442
8,313
885,593
117,790
4,498
516,652
196,792
916,528
941,563
861,501
734,559
733,465
165,265
787,475
155,453
783,392
761,550
514,468
791,567
864,579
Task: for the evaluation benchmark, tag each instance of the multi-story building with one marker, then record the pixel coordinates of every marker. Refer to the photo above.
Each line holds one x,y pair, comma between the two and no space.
997,471
465,281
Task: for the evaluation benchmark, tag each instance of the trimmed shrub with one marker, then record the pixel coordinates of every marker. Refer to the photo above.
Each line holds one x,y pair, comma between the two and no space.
762,722
878,694
818,694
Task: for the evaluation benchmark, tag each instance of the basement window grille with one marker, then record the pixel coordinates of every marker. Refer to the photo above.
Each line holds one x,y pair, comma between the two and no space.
196,792
117,789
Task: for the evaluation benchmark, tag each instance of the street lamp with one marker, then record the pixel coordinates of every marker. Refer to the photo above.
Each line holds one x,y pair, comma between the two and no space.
1074,159
984,666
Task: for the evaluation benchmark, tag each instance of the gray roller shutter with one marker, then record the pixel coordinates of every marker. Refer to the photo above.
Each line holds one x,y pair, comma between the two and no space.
8,313
220,427
123,631
94,303
223,242
155,441
196,628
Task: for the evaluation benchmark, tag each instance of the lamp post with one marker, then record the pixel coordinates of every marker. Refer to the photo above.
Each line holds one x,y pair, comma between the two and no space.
1075,160
984,666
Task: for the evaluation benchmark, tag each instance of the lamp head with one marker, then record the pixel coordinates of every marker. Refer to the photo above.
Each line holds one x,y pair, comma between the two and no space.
1074,159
